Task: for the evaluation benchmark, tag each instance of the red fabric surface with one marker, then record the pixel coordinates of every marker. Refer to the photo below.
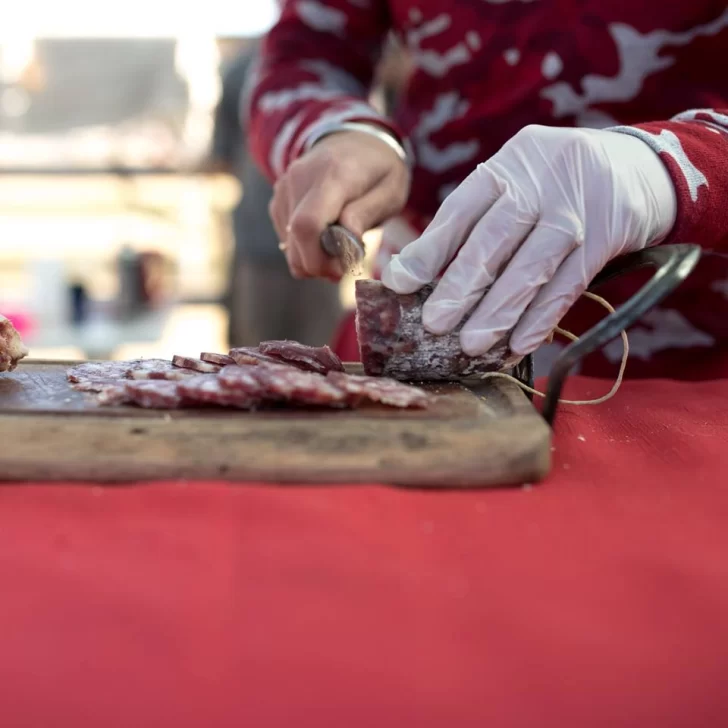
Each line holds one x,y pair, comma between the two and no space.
597,599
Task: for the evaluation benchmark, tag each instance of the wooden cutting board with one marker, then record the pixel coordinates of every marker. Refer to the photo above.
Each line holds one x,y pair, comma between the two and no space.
470,437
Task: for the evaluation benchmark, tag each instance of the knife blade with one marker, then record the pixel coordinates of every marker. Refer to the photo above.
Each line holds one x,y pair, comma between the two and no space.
338,242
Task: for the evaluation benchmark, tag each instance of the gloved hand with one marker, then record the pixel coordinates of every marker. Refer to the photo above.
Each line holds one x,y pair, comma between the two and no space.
536,222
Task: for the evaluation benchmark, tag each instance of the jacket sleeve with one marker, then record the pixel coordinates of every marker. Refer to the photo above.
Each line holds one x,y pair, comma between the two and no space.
694,147
316,67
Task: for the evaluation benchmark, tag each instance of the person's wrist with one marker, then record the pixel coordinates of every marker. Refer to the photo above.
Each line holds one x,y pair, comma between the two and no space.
401,149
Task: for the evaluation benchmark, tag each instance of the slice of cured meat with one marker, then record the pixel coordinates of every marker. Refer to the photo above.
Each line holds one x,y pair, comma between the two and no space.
154,394
111,395
12,349
282,383
375,389
92,375
298,387
197,365
250,355
164,370
316,359
394,343
204,389
242,379
222,360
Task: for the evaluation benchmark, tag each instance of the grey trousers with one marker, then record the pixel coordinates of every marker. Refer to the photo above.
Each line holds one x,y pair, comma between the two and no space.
266,303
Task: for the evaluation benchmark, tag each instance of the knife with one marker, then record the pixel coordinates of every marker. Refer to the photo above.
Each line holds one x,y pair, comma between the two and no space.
338,242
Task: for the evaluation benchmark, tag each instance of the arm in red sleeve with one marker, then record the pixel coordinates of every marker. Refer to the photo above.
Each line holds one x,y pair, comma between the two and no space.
694,147
316,68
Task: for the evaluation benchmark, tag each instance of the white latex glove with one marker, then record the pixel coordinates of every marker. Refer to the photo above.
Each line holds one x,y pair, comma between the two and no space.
536,222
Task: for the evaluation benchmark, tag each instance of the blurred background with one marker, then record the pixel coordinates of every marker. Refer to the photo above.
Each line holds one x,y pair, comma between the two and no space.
126,188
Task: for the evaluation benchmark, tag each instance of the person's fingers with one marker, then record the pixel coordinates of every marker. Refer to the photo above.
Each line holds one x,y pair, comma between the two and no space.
551,304
535,264
320,207
384,200
278,209
490,245
422,260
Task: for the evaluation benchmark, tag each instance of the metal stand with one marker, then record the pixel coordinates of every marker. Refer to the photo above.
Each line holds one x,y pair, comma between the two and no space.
674,264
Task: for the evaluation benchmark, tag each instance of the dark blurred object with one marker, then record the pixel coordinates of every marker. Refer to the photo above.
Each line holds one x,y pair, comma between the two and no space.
264,302
152,278
79,303
130,301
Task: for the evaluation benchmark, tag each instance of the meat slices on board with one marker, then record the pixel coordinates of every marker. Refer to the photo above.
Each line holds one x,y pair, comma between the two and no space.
377,389
394,343
316,359
12,349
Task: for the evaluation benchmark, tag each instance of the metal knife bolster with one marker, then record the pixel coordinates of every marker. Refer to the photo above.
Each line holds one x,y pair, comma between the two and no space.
340,243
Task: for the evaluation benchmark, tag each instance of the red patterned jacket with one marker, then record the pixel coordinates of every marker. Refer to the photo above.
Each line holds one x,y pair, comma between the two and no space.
486,68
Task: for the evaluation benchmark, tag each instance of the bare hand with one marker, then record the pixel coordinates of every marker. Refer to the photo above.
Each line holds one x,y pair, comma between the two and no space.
348,177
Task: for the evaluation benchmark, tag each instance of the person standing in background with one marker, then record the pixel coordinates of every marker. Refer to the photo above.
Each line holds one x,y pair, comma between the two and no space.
263,301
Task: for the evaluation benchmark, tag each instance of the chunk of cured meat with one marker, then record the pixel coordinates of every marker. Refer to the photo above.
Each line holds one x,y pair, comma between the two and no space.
394,343
204,389
278,382
12,349
154,394
316,359
250,355
196,365
222,360
377,389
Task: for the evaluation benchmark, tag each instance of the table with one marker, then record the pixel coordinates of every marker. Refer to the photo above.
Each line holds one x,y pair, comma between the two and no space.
598,599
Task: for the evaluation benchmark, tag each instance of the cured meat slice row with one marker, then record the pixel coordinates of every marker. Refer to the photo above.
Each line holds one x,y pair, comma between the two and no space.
250,355
222,360
316,359
384,391
196,365
204,389
12,349
394,343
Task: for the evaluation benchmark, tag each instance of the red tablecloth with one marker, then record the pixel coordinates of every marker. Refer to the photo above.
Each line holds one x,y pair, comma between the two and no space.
597,599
